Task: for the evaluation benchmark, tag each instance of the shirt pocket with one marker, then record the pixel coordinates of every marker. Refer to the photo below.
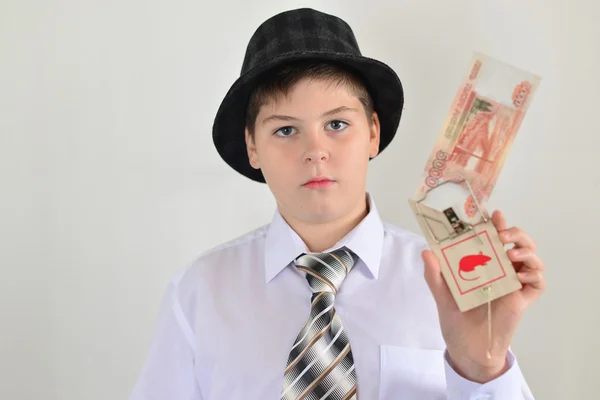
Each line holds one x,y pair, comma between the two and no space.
409,373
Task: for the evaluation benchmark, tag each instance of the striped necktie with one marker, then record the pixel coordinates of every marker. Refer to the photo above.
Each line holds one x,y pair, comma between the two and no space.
320,364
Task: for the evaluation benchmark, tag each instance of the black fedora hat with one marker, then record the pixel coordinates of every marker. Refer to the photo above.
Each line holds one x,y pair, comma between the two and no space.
301,34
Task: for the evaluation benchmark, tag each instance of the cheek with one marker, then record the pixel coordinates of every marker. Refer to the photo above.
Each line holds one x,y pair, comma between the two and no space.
277,160
357,150
275,154
357,165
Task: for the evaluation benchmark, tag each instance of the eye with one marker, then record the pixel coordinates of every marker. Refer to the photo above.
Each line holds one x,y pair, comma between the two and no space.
337,125
285,131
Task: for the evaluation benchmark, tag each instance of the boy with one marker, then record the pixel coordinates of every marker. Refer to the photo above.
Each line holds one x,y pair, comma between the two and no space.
327,301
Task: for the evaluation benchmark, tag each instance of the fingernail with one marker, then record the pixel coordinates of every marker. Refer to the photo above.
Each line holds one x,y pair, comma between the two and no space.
517,252
507,235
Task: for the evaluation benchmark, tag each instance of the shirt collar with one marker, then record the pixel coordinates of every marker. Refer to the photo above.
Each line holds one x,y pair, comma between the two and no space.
283,245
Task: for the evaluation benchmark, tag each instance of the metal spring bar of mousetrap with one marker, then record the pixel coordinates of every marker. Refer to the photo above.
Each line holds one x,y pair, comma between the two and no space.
459,225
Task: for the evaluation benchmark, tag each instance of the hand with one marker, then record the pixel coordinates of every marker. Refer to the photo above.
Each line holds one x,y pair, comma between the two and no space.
466,333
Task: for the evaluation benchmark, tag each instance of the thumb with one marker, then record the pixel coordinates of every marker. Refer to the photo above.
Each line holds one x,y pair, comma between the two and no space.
435,280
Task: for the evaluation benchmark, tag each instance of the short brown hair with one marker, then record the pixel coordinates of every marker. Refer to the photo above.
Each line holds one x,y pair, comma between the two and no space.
281,81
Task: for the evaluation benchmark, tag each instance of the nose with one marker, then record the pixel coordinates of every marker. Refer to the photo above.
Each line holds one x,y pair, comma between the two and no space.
315,156
315,149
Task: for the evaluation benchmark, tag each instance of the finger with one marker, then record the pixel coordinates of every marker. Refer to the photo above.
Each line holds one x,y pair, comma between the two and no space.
435,280
499,221
527,257
533,282
531,277
519,237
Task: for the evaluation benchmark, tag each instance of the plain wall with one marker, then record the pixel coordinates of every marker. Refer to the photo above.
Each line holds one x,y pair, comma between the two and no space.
110,183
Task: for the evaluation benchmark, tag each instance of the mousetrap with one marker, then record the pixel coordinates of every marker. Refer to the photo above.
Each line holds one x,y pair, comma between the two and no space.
460,232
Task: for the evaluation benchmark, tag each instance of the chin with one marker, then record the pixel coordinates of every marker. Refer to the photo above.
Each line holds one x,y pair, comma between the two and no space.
313,207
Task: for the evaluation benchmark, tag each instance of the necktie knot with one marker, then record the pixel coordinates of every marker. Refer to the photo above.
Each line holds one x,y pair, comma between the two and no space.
325,272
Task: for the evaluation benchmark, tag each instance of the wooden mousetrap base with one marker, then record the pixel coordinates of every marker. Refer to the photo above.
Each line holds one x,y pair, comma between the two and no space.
473,262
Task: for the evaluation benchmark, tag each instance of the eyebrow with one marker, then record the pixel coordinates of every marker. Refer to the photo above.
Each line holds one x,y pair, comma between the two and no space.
288,118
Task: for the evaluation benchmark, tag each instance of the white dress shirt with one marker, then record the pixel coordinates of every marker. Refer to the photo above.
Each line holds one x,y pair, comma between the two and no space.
230,318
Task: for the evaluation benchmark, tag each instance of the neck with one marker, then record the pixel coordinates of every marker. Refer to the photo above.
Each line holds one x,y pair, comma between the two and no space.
320,237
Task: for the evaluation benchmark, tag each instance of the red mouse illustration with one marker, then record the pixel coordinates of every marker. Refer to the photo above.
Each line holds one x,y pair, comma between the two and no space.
469,263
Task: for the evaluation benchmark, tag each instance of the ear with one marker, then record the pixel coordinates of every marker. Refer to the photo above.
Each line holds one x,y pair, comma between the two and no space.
251,149
374,136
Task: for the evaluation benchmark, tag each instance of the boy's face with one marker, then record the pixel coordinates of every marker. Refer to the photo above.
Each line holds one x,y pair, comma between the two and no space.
302,137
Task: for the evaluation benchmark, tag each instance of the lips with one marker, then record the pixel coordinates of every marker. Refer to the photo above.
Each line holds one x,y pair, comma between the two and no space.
319,183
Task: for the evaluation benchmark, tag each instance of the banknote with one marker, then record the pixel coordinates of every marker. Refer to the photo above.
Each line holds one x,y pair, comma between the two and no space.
479,129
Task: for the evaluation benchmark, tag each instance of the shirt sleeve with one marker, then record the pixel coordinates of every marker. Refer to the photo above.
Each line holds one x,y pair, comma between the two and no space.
509,386
168,371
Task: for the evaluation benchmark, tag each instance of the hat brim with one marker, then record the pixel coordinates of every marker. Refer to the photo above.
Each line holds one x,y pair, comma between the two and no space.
382,83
